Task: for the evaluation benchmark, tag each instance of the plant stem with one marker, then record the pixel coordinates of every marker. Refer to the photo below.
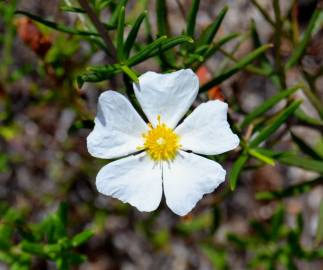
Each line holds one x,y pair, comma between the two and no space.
249,68
131,96
181,9
101,30
263,12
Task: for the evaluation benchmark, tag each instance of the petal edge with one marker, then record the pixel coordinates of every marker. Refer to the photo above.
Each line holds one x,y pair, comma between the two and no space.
206,130
168,95
188,178
132,180
118,128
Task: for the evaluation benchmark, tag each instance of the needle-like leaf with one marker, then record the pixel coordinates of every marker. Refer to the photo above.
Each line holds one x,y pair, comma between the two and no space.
268,104
235,170
271,128
191,21
120,32
300,49
237,67
133,34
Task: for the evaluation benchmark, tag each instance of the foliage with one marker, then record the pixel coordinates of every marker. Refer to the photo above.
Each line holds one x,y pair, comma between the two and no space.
275,244
47,239
127,37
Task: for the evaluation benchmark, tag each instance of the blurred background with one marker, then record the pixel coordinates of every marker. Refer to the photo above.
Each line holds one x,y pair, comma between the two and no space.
51,215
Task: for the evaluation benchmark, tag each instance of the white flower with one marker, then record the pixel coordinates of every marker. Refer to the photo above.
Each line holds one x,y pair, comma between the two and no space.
160,155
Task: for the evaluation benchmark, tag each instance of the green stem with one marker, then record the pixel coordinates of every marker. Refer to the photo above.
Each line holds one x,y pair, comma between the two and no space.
263,12
250,68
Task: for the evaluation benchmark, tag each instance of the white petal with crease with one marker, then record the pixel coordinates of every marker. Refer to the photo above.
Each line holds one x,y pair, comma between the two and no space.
187,179
207,131
118,128
135,180
168,95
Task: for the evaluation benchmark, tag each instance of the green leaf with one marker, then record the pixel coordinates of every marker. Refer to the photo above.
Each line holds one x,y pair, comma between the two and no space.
305,148
306,119
62,213
98,74
167,59
319,230
7,257
262,231
209,33
71,9
238,241
62,263
156,47
303,117
291,191
54,227
235,170
263,12
34,248
74,258
237,67
191,21
305,163
299,224
82,238
314,99
279,120
130,73
203,52
199,223
145,53
300,49
293,159
101,73
116,12
4,163
120,32
80,124
211,49
217,257
263,59
3,208
161,13
277,221
268,104
161,238
7,225
262,157
106,69
133,34
170,43
56,26
102,4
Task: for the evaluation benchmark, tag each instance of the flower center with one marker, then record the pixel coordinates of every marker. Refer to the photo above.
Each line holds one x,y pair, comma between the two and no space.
161,142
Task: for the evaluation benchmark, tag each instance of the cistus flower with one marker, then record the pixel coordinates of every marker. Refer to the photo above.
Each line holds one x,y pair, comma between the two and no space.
163,154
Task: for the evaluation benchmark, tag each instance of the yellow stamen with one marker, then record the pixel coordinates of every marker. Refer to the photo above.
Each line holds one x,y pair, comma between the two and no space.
161,142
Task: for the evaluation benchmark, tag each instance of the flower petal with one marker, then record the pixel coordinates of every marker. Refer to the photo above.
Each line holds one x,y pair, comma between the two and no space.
134,179
207,131
118,128
187,179
168,95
